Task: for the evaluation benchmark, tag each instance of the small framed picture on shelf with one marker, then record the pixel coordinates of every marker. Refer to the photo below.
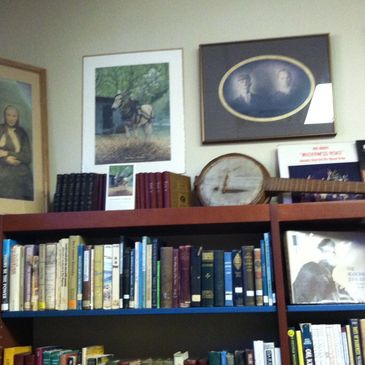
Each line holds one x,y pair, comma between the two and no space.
266,89
23,138
133,116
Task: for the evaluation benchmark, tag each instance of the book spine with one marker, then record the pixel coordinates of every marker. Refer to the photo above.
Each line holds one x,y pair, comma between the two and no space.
148,288
50,289
15,278
219,294
107,276
175,278
152,192
159,190
237,277
34,283
74,242
269,353
58,192
80,272
64,274
86,278
7,246
137,274
121,271
196,264
248,275
293,346
155,259
356,341
29,252
132,279
115,275
360,148
269,268
42,277
185,283
258,276
207,278
307,343
126,276
350,344
264,273
77,193
98,276
142,273
228,280
166,255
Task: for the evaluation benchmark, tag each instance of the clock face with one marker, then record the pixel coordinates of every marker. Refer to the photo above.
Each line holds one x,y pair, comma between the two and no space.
232,179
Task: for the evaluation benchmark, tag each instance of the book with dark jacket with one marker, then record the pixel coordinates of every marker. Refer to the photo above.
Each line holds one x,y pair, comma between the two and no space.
196,266
248,275
219,294
207,279
184,268
166,256
237,277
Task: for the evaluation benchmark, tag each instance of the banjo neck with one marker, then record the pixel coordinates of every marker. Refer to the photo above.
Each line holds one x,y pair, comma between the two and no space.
281,185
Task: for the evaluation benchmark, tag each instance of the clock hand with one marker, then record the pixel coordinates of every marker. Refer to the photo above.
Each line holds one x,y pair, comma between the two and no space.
225,190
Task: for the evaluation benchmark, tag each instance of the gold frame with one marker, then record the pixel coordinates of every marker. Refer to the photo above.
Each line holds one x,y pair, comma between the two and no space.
12,71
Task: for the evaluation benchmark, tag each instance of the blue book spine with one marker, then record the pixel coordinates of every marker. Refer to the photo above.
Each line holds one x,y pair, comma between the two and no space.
80,270
132,279
8,243
264,273
308,351
143,272
223,357
228,285
137,274
269,267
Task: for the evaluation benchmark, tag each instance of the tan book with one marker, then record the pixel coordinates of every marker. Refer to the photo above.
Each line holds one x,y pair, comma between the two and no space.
74,242
50,275
176,190
34,283
98,276
16,278
42,277
62,274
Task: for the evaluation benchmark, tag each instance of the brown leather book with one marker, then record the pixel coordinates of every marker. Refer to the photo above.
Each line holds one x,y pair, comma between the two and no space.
177,190
184,265
166,263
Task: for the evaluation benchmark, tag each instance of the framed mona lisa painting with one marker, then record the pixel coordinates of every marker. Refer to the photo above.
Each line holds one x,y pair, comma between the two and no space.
266,89
23,139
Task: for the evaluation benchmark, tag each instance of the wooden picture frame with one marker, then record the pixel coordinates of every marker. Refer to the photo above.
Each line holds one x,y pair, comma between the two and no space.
133,115
24,176
266,89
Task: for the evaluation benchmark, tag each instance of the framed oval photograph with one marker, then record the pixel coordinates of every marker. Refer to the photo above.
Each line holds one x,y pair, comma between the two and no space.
266,88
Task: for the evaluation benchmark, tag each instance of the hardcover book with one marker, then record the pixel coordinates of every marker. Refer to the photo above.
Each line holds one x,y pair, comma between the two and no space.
7,246
228,283
177,190
196,263
237,277
219,294
74,242
16,278
107,276
248,275
98,276
166,254
207,278
184,267
322,161
10,352
325,266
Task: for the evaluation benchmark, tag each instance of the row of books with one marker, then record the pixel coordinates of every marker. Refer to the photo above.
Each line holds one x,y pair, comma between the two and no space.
162,190
147,273
261,353
79,192
328,343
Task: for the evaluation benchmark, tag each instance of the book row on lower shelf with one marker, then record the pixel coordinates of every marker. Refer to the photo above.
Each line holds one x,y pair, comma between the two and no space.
261,353
328,343
145,273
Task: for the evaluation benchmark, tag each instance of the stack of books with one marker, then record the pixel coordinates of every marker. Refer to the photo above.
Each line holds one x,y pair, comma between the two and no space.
162,190
79,192
71,274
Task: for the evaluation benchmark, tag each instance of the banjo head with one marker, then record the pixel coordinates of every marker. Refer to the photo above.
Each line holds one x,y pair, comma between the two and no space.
232,179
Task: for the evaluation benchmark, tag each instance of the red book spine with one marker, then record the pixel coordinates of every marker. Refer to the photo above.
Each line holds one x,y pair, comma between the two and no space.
184,264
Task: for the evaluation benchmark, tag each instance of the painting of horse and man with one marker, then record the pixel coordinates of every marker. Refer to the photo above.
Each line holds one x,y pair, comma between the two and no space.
132,114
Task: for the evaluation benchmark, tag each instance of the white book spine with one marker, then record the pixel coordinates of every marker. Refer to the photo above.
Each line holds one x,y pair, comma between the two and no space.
115,276
15,277
51,257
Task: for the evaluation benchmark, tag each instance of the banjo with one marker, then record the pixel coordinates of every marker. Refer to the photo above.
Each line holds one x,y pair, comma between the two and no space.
238,179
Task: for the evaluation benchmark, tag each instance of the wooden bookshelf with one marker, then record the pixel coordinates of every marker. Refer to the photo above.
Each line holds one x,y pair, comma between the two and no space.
139,331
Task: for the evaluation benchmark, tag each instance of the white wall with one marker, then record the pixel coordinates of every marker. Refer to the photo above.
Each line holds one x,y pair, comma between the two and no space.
56,35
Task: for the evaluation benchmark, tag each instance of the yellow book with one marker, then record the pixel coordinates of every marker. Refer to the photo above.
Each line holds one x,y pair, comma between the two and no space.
74,242
300,347
9,353
98,276
87,351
